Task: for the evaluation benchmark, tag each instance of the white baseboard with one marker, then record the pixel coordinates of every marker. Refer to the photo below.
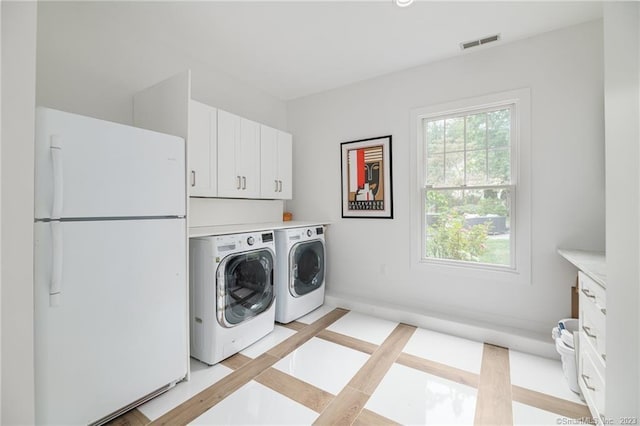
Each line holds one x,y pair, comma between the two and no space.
519,340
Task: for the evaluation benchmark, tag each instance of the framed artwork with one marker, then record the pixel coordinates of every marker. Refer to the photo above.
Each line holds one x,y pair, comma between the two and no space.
366,178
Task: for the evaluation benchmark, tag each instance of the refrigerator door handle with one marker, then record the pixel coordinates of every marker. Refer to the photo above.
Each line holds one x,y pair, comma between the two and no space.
55,288
56,156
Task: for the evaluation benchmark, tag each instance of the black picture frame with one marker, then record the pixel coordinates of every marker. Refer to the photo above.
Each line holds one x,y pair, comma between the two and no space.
367,178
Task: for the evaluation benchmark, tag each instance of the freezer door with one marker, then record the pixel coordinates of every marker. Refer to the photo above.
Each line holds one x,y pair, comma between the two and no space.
93,168
119,330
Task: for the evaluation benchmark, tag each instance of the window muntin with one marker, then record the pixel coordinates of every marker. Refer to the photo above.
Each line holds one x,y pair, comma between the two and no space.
469,187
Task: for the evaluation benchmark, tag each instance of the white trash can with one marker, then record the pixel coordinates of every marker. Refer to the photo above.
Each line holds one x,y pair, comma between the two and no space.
565,335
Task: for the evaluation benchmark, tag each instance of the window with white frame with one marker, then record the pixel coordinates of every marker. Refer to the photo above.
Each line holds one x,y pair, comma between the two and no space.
468,169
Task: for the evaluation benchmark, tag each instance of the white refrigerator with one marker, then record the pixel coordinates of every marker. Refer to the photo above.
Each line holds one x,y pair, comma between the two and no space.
110,267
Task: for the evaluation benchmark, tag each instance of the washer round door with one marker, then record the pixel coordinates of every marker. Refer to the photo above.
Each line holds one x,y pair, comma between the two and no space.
306,260
245,286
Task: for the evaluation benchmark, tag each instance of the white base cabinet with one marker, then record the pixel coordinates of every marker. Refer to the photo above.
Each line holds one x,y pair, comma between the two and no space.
275,163
592,356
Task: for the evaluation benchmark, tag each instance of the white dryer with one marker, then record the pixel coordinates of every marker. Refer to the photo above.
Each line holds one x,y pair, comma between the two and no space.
231,293
300,271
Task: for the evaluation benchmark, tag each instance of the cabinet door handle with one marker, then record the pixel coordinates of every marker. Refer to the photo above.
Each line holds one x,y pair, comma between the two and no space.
586,383
588,332
280,186
238,182
244,182
603,310
193,178
589,295
276,182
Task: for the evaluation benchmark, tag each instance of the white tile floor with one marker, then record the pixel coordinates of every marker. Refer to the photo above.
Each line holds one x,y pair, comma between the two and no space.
540,374
405,395
363,327
527,415
412,397
255,404
316,314
326,365
278,334
450,350
202,376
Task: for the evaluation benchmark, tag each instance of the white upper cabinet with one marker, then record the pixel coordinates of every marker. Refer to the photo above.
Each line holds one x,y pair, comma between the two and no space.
228,156
238,156
202,150
275,163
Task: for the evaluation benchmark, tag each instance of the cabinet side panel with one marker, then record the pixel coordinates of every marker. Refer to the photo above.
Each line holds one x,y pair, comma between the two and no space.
164,106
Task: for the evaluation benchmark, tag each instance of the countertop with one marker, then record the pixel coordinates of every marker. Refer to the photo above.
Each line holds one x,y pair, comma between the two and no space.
591,263
203,231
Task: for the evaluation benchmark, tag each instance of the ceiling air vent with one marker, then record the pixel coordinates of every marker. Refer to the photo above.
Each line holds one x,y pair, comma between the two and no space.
479,42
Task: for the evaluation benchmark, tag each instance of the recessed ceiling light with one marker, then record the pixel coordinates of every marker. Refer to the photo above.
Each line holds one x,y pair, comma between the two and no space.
403,3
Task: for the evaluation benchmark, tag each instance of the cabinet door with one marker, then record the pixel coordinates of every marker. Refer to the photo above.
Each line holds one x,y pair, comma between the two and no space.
229,178
201,147
248,160
275,164
284,165
269,185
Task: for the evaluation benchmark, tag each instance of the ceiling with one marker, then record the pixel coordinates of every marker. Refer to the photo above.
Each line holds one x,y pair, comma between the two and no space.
292,49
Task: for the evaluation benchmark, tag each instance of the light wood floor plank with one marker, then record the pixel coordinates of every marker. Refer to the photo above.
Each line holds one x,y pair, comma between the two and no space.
344,409
296,389
211,396
235,361
348,341
440,370
301,337
370,375
294,325
494,406
368,417
349,403
550,403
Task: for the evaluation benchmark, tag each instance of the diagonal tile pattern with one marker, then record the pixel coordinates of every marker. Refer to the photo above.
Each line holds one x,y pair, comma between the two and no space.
339,367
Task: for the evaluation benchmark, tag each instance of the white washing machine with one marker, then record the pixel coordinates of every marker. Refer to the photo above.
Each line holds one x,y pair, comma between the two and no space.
231,293
300,271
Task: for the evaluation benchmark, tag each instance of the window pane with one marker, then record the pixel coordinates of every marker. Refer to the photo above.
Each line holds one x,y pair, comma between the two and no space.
477,131
469,225
435,137
499,128
454,169
499,166
476,167
435,170
454,134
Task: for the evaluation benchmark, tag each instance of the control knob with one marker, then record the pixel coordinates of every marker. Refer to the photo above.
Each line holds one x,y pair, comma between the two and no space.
309,232
251,240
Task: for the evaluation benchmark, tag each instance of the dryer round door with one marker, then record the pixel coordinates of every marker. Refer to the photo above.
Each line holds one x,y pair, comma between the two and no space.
244,286
306,274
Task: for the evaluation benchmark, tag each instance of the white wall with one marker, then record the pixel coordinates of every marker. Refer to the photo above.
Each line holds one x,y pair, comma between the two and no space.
92,59
370,259
622,121
18,100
